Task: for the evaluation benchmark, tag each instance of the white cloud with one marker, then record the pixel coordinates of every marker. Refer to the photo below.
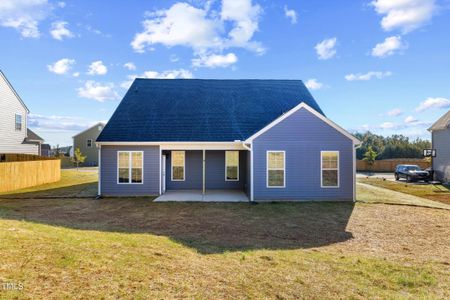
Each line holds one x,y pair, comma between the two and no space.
406,15
367,76
97,91
61,4
410,120
205,30
169,74
97,68
291,14
413,130
313,84
433,103
215,60
244,17
388,47
57,123
180,25
62,66
76,74
394,112
93,30
24,15
130,66
326,49
387,125
59,31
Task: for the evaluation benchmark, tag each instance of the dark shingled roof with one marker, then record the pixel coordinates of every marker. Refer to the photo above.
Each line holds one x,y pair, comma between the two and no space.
158,110
32,136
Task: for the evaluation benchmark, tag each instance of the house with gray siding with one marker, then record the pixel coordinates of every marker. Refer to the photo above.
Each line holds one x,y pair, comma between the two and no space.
268,139
85,141
440,140
16,137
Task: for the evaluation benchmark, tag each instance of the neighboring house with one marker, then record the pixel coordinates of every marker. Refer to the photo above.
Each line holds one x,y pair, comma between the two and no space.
440,140
34,139
15,136
268,138
46,150
85,140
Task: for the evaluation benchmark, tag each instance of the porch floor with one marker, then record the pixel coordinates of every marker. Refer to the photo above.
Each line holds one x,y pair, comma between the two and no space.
197,196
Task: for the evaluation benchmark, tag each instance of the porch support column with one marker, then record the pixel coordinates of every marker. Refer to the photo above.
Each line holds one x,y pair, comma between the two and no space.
204,172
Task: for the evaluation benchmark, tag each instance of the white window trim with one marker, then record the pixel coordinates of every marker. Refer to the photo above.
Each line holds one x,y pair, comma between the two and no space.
15,122
226,179
87,144
322,169
171,165
130,167
267,169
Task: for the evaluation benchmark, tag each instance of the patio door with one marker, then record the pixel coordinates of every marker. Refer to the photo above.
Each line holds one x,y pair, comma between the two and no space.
163,174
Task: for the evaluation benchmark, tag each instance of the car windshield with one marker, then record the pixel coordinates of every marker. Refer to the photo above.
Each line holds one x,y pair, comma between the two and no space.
412,168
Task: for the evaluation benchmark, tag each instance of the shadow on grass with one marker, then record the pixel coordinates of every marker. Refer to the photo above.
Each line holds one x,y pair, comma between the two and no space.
83,190
207,227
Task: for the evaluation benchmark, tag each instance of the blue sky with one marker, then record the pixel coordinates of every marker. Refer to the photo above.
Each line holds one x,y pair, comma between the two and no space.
379,65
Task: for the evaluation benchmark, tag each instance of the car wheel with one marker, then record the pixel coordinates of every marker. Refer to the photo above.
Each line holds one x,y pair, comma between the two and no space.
408,178
397,178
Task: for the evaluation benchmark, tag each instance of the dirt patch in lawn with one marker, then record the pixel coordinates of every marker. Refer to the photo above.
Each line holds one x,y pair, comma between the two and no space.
378,230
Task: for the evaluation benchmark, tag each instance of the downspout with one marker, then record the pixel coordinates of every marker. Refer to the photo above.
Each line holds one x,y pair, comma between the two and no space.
204,173
99,193
251,169
354,169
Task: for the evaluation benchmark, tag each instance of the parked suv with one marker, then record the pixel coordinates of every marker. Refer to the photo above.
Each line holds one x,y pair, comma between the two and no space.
411,173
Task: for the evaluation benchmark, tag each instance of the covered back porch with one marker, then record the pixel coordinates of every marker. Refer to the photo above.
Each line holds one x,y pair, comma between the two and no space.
208,175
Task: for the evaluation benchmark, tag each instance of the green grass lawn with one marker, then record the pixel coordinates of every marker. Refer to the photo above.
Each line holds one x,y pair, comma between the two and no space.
135,248
439,193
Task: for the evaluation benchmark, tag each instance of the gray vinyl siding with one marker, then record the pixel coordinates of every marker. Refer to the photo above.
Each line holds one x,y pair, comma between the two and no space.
109,185
441,163
11,140
215,171
303,136
193,174
80,141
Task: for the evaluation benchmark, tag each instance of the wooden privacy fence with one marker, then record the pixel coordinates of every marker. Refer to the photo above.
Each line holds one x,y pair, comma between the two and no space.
388,165
10,157
22,174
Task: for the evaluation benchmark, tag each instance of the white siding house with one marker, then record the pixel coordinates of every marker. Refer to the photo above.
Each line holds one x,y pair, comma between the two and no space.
13,122
440,137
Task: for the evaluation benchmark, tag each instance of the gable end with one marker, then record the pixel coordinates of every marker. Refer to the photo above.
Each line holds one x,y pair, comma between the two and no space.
315,113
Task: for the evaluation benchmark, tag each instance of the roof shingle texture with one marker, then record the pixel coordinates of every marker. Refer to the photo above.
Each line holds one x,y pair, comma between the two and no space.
442,123
162,110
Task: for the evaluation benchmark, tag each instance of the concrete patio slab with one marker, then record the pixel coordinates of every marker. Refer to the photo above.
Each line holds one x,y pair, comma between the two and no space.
197,196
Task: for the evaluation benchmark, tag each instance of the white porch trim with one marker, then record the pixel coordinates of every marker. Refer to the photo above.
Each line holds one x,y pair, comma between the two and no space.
236,145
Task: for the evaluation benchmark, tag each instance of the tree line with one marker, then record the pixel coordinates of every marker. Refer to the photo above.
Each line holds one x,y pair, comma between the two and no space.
394,146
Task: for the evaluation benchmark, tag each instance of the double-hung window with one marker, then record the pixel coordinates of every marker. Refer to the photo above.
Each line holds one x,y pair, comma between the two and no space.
231,165
178,164
18,122
276,171
329,169
130,167
89,143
